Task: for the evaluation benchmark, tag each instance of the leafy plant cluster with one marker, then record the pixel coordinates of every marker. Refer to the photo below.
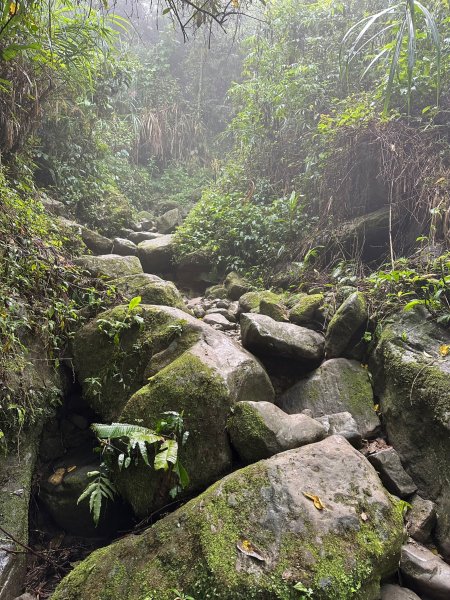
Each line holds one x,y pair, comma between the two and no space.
123,446
41,295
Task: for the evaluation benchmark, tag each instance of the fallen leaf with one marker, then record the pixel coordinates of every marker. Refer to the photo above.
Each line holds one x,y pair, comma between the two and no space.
247,548
57,476
444,349
316,500
72,468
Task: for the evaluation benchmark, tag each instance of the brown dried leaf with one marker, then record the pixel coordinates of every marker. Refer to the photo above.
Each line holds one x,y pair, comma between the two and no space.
316,500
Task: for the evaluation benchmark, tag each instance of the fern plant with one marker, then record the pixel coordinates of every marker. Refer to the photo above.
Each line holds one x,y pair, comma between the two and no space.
123,445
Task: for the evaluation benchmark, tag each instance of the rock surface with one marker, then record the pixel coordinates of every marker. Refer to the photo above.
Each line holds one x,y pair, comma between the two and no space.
236,285
261,334
151,288
254,534
123,247
306,311
251,301
97,243
395,592
110,266
169,221
413,382
260,429
171,361
338,385
425,572
348,320
393,475
421,519
156,255
342,424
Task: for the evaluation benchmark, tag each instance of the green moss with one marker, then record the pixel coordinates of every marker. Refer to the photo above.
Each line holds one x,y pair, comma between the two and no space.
274,310
306,309
151,289
250,302
348,319
251,436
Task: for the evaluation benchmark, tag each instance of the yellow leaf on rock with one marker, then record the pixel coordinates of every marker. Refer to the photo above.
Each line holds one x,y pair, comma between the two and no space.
72,468
13,8
247,548
316,500
57,476
444,349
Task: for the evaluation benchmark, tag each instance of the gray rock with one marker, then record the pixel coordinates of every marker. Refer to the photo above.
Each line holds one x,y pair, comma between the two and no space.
26,596
98,244
54,206
425,572
124,247
395,592
261,334
223,304
236,285
393,475
156,255
169,221
260,429
275,310
221,311
265,506
194,271
413,383
141,236
349,318
421,519
219,321
110,266
341,424
199,312
338,385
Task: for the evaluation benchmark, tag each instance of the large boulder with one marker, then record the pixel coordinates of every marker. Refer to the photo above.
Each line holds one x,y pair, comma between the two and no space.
170,361
124,247
395,592
110,266
425,572
393,475
250,301
338,385
194,271
348,321
255,534
156,255
97,243
151,288
169,221
306,310
412,375
260,429
236,285
263,335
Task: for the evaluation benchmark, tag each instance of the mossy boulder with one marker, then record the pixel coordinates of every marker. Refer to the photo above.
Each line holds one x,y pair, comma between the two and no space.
151,288
255,535
171,361
338,385
260,429
275,310
348,321
216,292
110,266
251,301
97,243
307,310
412,380
236,285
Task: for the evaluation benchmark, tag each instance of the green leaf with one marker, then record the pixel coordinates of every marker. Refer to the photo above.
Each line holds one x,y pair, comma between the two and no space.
168,454
134,303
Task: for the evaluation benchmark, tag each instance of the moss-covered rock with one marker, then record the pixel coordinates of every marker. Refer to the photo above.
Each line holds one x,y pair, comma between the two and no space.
151,288
236,285
110,266
413,382
338,385
97,243
251,301
275,310
254,535
260,429
348,321
156,255
171,361
216,292
307,310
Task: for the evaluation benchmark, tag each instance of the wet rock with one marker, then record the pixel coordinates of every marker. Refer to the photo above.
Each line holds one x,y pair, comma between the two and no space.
341,424
169,221
425,572
338,385
413,383
124,247
393,475
156,255
260,429
261,334
395,592
97,243
236,285
110,266
151,288
260,535
421,519
349,319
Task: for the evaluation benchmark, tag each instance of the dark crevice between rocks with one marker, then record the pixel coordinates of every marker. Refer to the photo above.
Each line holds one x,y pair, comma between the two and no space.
62,532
